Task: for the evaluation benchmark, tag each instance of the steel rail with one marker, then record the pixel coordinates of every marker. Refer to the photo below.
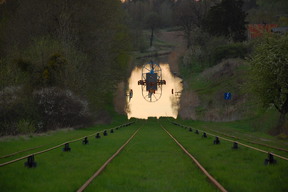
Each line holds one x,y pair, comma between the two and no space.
85,185
59,145
15,153
247,140
210,177
245,145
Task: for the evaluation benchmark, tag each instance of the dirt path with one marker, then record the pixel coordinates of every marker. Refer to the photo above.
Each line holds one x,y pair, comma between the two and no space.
175,38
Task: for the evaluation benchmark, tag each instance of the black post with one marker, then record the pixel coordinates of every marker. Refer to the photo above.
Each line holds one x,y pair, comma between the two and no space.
66,147
85,141
204,135
98,136
30,162
216,141
270,159
235,145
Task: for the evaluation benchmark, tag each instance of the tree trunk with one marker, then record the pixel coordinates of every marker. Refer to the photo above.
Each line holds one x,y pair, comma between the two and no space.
281,123
188,37
152,36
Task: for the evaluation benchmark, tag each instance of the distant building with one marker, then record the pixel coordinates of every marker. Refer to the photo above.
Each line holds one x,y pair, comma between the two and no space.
281,30
257,30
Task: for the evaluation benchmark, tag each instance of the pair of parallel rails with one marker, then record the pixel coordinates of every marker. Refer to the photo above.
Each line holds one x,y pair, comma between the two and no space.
85,185
209,176
54,147
240,143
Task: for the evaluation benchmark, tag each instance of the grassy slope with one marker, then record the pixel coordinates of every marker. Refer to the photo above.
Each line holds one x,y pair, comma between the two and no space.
237,170
11,144
240,129
151,162
255,123
211,93
61,171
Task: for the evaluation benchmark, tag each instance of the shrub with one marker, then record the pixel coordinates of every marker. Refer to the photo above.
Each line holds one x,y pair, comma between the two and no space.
233,50
194,61
15,105
25,126
60,108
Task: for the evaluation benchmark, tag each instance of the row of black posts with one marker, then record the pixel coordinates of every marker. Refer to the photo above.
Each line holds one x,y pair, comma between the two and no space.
31,159
269,160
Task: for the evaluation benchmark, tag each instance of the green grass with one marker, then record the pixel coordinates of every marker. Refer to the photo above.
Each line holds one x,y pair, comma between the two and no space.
13,144
244,129
244,104
150,162
62,171
237,170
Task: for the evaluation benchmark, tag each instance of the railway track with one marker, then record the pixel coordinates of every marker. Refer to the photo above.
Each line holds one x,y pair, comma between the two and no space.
22,151
236,141
194,160
249,141
85,185
153,151
54,147
210,177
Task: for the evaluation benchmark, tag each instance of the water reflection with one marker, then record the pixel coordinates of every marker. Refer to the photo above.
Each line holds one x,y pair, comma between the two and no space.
167,105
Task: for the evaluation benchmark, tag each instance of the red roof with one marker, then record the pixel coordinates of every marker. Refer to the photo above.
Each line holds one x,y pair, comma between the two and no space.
257,30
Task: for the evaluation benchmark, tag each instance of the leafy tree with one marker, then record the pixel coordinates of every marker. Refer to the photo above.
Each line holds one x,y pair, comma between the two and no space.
269,75
83,48
228,19
267,11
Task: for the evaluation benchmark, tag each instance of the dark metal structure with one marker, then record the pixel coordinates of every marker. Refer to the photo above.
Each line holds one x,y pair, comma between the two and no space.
151,82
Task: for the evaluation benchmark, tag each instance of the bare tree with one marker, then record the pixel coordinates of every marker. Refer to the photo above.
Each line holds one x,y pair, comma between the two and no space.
189,14
152,21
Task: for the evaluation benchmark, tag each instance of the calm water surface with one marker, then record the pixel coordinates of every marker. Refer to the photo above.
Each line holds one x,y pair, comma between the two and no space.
167,105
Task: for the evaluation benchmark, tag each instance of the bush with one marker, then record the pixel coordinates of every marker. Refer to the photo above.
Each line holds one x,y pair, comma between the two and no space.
199,57
60,108
15,105
192,62
234,50
25,126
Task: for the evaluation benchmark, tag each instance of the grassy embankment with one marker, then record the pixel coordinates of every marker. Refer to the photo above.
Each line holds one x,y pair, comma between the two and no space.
57,170
230,76
237,170
151,162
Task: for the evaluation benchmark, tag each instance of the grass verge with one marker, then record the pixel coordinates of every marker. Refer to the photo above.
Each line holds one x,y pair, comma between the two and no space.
62,171
236,170
151,162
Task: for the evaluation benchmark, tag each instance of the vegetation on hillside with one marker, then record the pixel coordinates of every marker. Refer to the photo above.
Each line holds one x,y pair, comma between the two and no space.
269,75
209,71
59,62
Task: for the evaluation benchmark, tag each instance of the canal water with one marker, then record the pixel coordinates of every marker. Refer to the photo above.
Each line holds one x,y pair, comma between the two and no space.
166,106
